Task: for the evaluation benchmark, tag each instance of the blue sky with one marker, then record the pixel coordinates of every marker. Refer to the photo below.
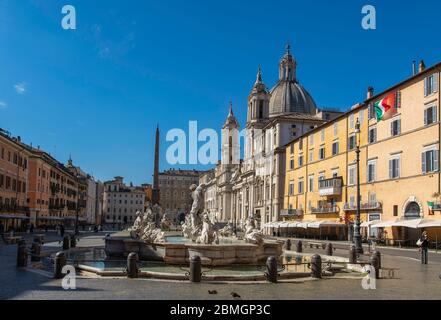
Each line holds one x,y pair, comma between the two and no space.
98,92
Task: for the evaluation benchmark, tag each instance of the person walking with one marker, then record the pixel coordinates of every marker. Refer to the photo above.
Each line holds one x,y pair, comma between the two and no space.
31,228
423,242
62,231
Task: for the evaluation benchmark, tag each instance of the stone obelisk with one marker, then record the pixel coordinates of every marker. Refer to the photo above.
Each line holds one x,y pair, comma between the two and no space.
155,191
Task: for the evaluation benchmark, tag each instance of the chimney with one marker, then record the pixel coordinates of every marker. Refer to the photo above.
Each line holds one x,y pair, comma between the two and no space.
370,92
19,139
413,67
422,66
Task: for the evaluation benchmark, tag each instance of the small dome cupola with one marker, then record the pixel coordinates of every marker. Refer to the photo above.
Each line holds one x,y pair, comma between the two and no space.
287,66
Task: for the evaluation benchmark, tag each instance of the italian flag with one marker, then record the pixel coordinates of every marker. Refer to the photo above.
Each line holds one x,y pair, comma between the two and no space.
385,108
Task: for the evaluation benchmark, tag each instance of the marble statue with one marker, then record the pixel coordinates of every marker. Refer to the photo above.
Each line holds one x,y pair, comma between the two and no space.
208,234
166,222
252,235
144,227
227,231
198,226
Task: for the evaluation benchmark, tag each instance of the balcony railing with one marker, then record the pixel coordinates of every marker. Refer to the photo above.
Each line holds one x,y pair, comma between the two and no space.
4,208
364,206
293,212
325,209
331,187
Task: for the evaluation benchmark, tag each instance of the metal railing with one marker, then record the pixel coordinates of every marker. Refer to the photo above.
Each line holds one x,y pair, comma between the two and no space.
325,209
363,206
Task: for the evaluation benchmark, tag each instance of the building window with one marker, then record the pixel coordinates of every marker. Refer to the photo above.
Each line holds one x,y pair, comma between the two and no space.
335,147
311,183
431,84
322,153
371,171
351,142
430,116
300,161
372,135
322,135
336,129
311,155
351,121
291,149
430,161
371,111
395,128
395,211
352,175
291,188
311,139
394,168
361,117
291,164
301,186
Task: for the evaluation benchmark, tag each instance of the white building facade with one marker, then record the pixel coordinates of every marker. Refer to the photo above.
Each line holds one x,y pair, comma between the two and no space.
254,186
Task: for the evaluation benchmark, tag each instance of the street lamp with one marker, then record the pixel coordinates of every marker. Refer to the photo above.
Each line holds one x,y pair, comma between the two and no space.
357,235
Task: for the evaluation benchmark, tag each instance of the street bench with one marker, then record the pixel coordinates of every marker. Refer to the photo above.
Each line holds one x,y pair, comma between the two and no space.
317,245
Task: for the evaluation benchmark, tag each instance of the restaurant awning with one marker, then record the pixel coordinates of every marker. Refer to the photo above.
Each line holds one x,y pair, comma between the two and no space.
370,223
325,223
413,224
11,216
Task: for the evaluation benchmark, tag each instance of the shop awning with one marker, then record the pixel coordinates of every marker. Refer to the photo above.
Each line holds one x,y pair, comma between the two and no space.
304,225
11,216
325,223
413,224
370,223
430,224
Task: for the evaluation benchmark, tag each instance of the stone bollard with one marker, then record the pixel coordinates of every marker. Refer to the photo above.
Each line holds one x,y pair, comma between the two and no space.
378,254
132,265
73,241
329,250
299,248
271,270
36,251
66,242
375,263
288,245
195,269
22,254
59,263
316,266
352,254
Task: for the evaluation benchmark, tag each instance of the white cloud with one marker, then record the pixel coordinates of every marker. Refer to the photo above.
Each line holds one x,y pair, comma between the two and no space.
2,104
20,88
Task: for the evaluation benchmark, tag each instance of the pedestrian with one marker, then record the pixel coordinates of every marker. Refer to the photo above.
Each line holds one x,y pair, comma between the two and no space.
2,228
423,243
62,231
31,228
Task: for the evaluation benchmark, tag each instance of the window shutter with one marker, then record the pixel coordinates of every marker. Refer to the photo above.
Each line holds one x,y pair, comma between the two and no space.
398,168
399,126
435,82
392,129
391,169
423,161
434,113
426,80
435,160
425,117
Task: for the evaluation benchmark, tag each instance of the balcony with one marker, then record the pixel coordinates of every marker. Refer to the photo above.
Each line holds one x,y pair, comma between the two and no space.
364,206
292,213
330,187
325,209
4,208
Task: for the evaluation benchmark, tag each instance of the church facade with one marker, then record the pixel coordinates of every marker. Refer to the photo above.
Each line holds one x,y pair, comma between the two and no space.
254,186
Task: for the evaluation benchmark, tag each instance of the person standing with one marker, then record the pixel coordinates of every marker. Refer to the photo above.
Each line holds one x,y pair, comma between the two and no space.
62,231
423,242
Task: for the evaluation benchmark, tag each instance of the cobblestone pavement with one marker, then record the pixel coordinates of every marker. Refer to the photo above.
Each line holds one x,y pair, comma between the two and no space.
413,281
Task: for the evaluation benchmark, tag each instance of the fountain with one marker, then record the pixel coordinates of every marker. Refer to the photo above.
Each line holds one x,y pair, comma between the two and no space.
214,247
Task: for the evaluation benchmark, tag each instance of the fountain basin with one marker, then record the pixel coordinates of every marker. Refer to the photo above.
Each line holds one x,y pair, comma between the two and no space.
181,253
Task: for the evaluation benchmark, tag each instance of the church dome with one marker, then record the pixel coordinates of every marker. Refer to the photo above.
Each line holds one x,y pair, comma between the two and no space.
288,95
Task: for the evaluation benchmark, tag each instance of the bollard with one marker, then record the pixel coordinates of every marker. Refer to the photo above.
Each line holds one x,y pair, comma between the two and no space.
132,265
22,254
36,251
59,263
73,241
352,254
329,250
378,255
195,269
288,245
299,248
271,269
66,242
316,266
375,263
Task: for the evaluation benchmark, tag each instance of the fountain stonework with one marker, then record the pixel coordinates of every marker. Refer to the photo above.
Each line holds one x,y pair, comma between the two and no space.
205,241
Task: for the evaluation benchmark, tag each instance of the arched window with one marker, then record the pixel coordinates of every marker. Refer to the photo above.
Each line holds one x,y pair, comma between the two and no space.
413,210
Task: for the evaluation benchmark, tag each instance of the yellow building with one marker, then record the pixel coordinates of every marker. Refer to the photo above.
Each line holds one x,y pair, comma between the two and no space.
399,167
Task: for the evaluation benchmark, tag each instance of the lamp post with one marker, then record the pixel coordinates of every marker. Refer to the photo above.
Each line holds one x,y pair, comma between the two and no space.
357,235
